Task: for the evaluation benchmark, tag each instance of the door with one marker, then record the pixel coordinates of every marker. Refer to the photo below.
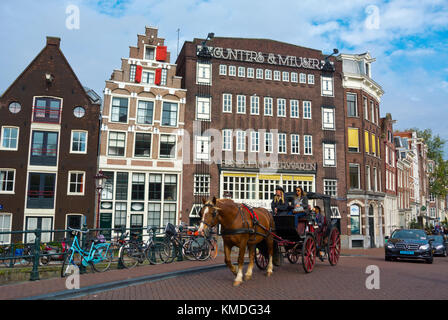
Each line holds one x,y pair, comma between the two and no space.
371,227
106,223
136,226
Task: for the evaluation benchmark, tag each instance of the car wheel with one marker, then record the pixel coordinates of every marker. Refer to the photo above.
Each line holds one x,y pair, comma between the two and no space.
429,261
387,258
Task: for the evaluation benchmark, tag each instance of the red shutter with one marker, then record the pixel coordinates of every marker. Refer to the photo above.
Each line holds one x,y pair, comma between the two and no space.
161,53
158,79
138,74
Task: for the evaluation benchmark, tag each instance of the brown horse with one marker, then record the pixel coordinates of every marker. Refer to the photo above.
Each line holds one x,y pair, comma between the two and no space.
238,230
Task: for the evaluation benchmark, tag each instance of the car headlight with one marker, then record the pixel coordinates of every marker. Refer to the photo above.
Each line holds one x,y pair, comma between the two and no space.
424,247
439,247
390,245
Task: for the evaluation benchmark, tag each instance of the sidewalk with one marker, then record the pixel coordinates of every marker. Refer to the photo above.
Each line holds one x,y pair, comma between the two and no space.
41,287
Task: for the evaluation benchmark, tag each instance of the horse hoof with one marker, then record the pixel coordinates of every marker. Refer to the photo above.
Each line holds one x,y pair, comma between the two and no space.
247,277
269,274
237,283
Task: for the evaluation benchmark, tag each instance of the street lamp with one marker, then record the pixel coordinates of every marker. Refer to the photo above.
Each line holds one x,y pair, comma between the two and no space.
100,178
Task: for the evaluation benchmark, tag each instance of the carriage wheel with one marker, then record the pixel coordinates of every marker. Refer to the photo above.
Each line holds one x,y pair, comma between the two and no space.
293,256
334,246
261,260
308,254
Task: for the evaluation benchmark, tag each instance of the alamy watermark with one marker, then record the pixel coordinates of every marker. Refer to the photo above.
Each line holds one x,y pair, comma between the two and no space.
373,280
72,282
373,17
73,20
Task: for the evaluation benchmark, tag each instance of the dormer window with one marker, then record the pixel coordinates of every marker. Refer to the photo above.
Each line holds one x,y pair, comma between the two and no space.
150,53
368,69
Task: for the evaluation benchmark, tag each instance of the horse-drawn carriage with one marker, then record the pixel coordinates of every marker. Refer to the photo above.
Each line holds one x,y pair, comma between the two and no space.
307,240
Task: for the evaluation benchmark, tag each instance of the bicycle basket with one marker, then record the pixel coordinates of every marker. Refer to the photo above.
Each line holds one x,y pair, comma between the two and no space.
170,229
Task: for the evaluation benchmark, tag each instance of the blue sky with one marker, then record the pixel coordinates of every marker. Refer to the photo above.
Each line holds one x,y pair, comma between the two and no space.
408,38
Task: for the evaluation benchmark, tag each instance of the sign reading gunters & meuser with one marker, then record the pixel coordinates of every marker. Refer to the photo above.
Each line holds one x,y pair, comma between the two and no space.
260,57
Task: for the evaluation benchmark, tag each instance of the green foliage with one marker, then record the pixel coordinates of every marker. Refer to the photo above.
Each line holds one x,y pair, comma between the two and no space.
414,225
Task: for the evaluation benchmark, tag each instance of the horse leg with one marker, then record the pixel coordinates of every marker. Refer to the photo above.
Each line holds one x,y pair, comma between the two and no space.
227,259
248,274
239,277
270,243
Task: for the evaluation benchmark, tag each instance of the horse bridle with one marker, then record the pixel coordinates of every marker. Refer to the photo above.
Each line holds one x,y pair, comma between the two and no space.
214,214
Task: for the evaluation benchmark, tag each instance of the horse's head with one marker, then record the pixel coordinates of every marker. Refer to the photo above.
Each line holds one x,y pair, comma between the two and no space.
209,214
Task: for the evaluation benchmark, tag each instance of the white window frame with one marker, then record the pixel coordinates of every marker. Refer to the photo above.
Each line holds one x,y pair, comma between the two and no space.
328,183
329,149
250,73
150,79
259,74
232,71
325,124
241,72
155,53
240,141
306,104
295,138
268,101
268,142
302,78
285,76
6,237
254,141
201,181
222,69
305,138
327,86
224,100
70,182
255,105
3,135
241,104
294,77
200,101
268,74
199,141
203,73
311,79
294,108
71,141
125,143
282,143
277,75
281,103
227,139
13,182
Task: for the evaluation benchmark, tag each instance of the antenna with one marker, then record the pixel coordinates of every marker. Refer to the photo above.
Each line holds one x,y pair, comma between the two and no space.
178,32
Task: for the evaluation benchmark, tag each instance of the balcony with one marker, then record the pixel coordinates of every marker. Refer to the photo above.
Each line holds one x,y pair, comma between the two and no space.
43,157
40,199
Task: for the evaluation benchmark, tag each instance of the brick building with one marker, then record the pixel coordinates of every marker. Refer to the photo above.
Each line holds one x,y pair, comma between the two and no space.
49,146
141,138
365,193
261,113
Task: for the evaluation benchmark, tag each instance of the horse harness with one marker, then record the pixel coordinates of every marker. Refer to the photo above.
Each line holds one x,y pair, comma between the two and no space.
246,230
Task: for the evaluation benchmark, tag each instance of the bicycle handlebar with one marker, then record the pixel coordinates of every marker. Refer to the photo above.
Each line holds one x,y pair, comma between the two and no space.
78,230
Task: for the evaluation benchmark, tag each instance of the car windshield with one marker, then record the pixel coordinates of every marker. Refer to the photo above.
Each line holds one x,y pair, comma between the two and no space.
437,239
409,234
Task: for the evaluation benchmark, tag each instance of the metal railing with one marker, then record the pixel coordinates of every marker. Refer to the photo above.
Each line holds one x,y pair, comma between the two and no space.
32,254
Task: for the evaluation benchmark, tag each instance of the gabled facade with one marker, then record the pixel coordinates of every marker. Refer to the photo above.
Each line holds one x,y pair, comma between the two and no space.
49,146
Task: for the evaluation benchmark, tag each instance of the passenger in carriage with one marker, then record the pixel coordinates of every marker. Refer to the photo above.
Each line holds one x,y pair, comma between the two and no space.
280,205
320,218
300,205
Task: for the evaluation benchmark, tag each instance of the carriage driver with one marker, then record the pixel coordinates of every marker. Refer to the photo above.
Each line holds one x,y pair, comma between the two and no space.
280,205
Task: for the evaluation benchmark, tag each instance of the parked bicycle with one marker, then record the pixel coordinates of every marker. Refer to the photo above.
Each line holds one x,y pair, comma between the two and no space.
177,242
99,257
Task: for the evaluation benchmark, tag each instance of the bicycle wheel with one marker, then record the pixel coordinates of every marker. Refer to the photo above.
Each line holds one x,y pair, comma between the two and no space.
129,255
168,251
190,249
102,258
203,250
153,253
69,262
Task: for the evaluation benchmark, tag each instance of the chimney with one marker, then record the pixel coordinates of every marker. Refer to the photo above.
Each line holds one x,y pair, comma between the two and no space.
53,41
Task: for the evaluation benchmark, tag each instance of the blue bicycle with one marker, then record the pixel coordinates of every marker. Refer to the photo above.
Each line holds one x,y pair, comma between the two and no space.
99,257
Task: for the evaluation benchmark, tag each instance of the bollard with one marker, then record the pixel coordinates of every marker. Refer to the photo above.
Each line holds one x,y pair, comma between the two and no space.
12,253
82,269
36,251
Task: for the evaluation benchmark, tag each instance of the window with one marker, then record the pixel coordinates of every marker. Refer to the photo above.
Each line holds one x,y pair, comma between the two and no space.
311,79
281,143
43,223
241,72
354,176
119,112
268,106
47,110
240,188
170,187
10,138
254,144
352,108
202,148
14,107
295,144
7,181
44,148
41,187
306,109
259,73
375,179
302,78
132,71
145,112
254,105
294,108
377,115
294,77
372,110
368,180
120,215
5,226
226,102
232,71
277,75
366,141
203,108
204,73
327,86
355,219
117,143
268,74
201,184
222,70
121,189
164,77
79,142
308,144
373,144
169,213
227,140
155,187
79,112
108,186
240,141
142,146
366,111
281,107
169,114
150,53
329,155
285,76
353,140
76,183
250,72
148,77
268,142
167,146
138,186
241,104
154,212
328,122
330,187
